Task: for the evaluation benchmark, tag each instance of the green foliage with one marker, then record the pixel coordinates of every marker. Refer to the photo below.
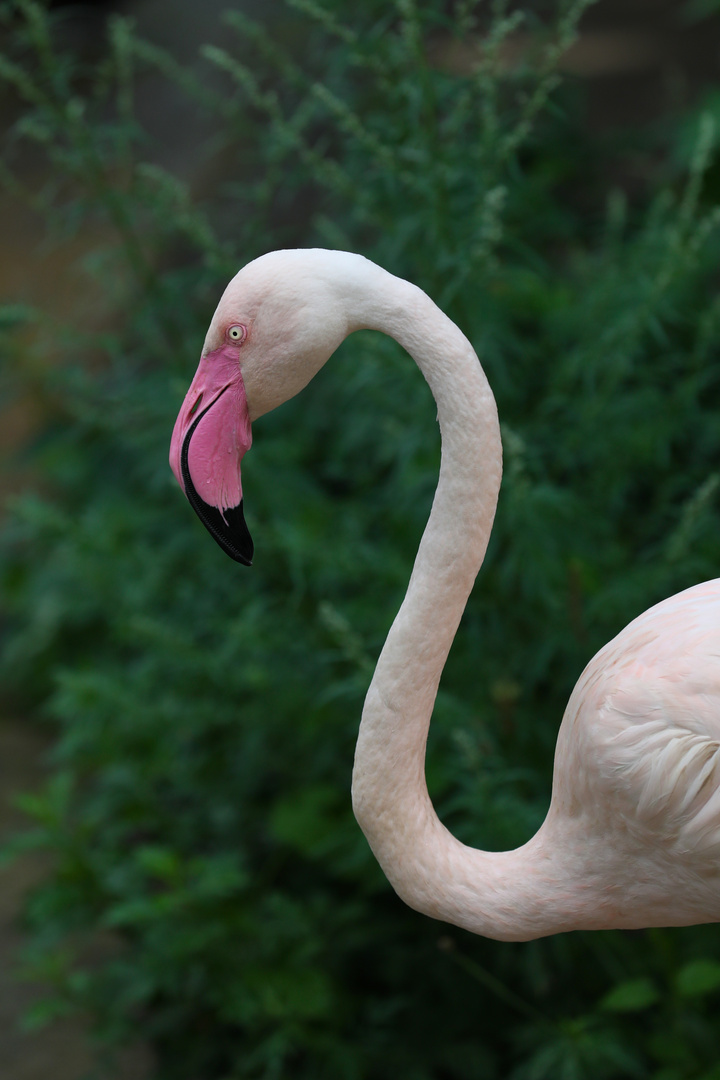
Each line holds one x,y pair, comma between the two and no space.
206,715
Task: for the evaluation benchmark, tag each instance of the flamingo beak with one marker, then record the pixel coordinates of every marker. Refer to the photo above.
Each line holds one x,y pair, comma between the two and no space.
211,436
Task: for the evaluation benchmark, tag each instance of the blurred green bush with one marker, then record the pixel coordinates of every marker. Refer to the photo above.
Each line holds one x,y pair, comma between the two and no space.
206,715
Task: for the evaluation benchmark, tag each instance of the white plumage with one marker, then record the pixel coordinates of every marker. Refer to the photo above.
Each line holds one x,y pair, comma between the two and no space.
632,836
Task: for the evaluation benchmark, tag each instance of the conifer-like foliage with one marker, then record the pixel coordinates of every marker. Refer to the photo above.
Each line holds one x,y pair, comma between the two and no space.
206,714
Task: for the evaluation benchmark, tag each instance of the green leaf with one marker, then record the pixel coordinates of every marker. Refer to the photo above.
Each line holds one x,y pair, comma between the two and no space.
698,978
306,819
13,316
631,996
159,861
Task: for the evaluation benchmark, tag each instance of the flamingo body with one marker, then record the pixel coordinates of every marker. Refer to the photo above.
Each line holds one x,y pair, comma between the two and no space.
632,836
637,768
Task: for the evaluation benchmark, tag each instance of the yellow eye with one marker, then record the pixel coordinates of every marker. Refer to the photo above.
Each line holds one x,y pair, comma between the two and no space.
237,334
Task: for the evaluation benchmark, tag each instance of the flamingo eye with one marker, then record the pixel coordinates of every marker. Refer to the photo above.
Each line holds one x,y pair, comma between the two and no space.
237,334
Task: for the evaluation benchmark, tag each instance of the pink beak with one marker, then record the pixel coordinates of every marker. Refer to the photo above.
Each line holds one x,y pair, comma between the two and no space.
211,435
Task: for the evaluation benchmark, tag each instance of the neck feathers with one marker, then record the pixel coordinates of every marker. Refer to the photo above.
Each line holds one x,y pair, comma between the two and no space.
427,866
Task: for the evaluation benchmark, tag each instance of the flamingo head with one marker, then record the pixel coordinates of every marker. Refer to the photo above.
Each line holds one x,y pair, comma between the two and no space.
277,323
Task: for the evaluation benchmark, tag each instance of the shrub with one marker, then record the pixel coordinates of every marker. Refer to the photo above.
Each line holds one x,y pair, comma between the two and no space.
206,715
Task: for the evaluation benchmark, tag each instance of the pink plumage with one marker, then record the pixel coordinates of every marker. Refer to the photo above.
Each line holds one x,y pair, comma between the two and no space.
632,836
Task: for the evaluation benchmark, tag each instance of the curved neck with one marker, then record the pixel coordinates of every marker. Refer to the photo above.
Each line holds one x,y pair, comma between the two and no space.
431,870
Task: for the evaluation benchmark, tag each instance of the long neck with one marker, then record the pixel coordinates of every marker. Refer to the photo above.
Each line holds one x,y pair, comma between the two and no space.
431,870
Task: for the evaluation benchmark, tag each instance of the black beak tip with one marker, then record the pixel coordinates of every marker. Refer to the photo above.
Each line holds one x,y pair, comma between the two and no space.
229,530
235,538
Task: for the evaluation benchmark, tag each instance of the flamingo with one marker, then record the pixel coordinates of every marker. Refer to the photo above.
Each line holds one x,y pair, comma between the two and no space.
632,835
